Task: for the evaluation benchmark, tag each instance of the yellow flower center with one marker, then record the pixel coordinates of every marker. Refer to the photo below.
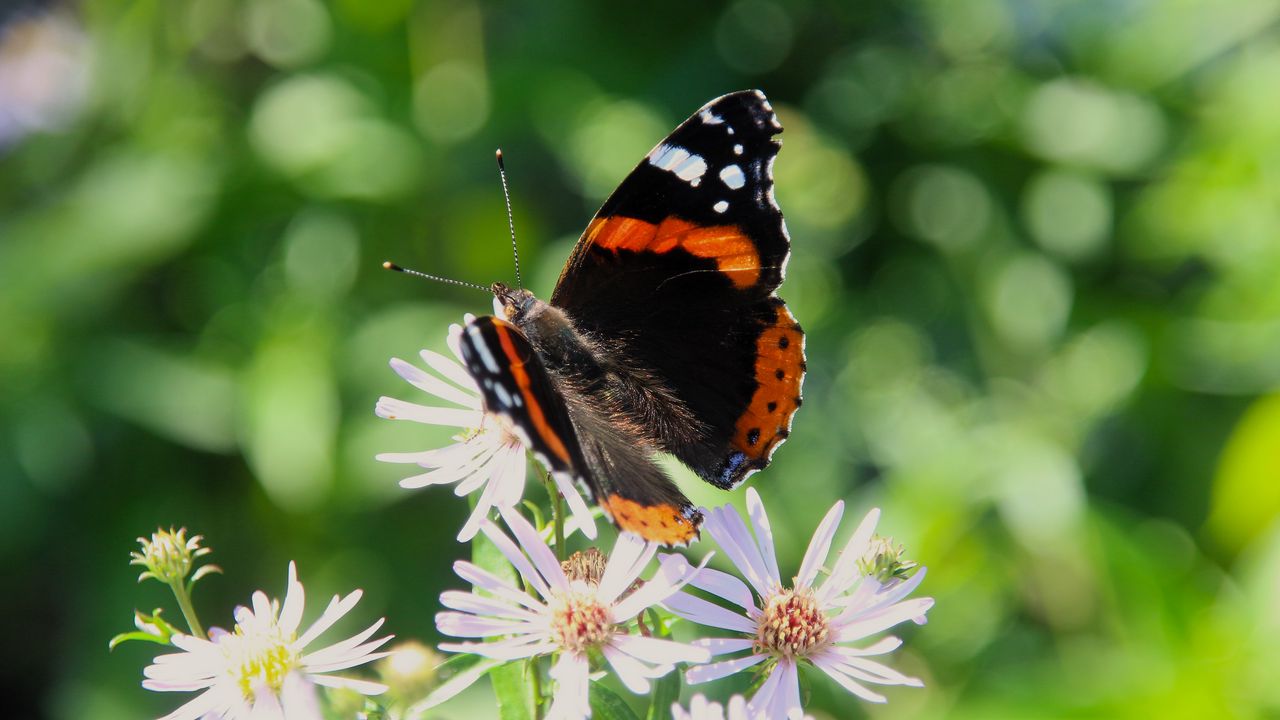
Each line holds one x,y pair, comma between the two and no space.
260,659
579,622
792,624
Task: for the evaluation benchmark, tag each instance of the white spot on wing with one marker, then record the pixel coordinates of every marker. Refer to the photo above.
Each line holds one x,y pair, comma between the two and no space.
720,206
486,357
710,118
737,149
685,165
691,169
732,176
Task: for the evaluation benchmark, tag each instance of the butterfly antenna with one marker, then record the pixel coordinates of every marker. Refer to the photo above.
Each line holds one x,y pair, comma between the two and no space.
392,266
511,223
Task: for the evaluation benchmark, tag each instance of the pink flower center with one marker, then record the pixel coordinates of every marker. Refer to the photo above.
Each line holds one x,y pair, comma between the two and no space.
792,624
579,622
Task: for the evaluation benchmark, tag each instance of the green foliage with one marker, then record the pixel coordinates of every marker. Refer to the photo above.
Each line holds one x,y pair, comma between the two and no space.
1034,255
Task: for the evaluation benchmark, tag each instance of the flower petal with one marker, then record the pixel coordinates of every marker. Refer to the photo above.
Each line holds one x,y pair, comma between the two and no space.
697,610
433,385
764,533
724,668
819,546
845,569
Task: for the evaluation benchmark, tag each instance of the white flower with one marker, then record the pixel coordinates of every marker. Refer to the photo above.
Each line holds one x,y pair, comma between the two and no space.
572,613
702,709
485,456
259,670
800,622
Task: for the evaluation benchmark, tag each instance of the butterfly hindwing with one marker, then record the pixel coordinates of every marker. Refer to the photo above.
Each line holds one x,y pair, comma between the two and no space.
678,272
570,436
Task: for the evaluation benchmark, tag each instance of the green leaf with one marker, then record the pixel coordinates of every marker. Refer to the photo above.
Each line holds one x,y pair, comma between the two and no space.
135,635
607,705
665,691
511,685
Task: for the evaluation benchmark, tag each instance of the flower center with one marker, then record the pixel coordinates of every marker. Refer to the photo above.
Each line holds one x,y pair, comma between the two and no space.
259,658
792,624
579,622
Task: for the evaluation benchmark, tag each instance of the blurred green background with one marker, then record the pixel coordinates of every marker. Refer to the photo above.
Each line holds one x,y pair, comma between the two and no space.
1035,252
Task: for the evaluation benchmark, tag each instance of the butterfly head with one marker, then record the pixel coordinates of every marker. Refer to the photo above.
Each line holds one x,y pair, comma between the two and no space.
513,304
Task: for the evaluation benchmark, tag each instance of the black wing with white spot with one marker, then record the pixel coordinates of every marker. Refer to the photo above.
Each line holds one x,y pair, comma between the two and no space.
678,271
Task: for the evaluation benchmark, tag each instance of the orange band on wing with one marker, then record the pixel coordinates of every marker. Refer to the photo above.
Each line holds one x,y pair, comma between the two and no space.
735,253
663,523
545,431
780,371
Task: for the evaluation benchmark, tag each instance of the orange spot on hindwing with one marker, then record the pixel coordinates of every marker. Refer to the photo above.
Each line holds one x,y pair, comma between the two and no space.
780,369
664,523
735,253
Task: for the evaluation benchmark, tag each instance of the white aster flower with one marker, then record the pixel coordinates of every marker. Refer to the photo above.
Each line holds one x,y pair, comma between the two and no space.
584,605
486,456
260,670
702,709
781,626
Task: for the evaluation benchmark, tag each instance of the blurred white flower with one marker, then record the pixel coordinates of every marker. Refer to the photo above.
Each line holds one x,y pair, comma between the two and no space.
260,670
583,606
801,622
485,456
702,709
44,74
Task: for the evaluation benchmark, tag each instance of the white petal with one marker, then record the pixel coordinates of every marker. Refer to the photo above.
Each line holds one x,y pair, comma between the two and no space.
630,671
294,600
629,557
764,533
577,507
731,534
659,651
431,384
514,556
673,574
820,545
364,687
196,708
480,605
724,668
492,583
571,675
393,409
847,682
538,552
464,625
845,569
700,611
883,620
450,369
724,585
723,646
337,608
779,694
516,648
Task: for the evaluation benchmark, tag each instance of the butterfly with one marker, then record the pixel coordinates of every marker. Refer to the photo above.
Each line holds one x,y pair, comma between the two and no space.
664,332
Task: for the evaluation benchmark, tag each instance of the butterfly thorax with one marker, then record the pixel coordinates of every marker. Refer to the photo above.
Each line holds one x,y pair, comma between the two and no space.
626,392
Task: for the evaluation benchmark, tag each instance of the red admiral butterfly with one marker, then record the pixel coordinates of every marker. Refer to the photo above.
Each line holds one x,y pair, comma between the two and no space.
663,332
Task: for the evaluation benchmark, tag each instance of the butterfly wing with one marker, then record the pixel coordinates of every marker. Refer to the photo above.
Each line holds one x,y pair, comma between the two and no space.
570,438
679,268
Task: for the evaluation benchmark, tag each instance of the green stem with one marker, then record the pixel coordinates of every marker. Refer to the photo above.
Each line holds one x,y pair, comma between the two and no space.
182,593
557,513
536,683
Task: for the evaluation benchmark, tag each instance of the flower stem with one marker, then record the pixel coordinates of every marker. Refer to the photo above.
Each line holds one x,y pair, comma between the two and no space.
557,514
536,684
183,594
